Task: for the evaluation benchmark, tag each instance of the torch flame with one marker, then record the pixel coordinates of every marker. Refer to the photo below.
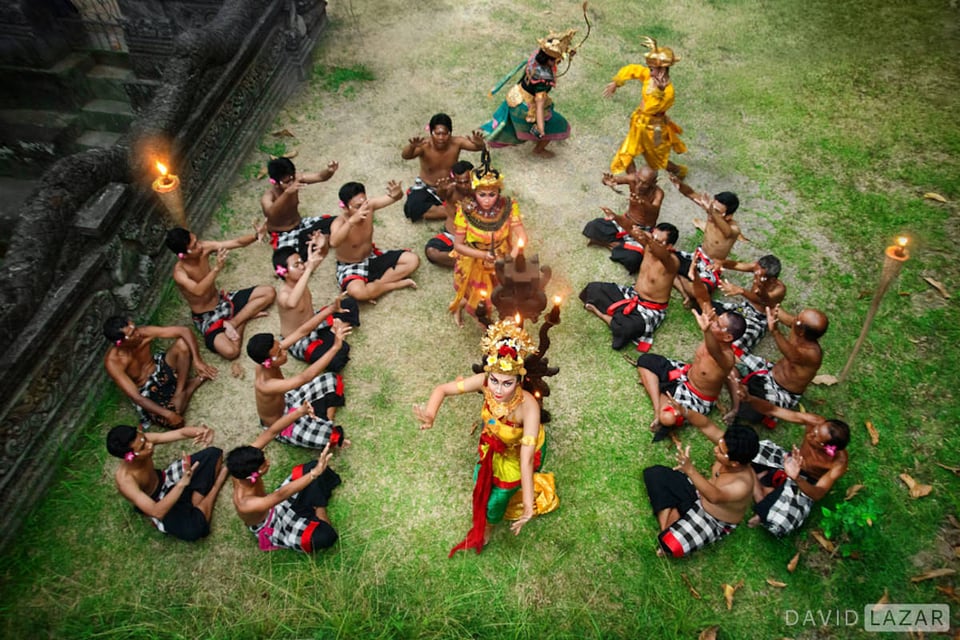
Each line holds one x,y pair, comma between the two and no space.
483,293
557,300
162,168
517,317
520,243
902,241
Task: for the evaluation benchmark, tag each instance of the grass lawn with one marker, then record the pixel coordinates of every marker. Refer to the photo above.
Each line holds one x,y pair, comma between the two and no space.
831,120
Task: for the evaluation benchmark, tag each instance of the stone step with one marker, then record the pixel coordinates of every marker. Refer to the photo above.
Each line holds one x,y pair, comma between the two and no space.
96,140
107,115
106,82
31,140
63,86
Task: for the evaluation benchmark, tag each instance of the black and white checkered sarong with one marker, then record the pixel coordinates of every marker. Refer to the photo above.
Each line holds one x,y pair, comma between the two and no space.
347,271
313,433
695,529
790,507
159,387
223,311
761,384
171,476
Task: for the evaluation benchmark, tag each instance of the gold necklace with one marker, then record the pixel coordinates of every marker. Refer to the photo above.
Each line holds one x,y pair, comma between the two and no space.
498,409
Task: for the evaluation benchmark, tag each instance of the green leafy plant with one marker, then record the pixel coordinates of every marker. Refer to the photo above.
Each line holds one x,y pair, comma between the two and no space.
852,525
276,148
331,78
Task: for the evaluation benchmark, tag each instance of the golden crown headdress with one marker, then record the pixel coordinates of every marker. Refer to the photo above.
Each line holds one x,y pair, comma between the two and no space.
505,347
485,176
556,44
659,56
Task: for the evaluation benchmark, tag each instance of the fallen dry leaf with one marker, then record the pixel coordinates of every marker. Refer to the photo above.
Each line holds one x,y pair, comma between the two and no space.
953,521
686,581
933,573
776,583
936,284
950,592
710,633
826,544
825,379
794,561
931,195
292,154
261,174
874,434
884,599
917,490
283,133
852,491
864,293
728,591
954,470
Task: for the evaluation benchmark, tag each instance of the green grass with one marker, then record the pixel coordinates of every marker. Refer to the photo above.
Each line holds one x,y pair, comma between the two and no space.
830,126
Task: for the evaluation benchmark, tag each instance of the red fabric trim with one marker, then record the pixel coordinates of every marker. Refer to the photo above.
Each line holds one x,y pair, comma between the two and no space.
670,541
306,540
297,472
677,418
214,327
274,239
339,387
481,494
689,386
644,347
311,348
747,377
769,422
677,373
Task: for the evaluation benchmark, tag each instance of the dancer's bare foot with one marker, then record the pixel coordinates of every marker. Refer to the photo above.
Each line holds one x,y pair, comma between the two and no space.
193,384
754,521
543,153
458,317
237,371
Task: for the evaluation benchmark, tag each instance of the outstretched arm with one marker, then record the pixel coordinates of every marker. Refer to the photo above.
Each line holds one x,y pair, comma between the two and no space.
202,435
323,175
394,194
267,436
425,414
263,503
173,332
528,447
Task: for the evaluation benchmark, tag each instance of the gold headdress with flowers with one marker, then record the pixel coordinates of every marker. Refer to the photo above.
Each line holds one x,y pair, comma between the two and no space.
505,347
659,56
556,44
485,176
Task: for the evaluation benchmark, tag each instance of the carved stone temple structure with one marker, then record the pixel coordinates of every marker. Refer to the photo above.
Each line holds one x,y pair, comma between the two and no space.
94,92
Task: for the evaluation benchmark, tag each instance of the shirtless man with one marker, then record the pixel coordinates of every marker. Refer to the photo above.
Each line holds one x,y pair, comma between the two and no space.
697,385
158,384
295,515
437,157
218,315
459,186
363,271
613,231
700,273
693,510
277,395
783,383
297,315
634,313
179,500
281,205
766,291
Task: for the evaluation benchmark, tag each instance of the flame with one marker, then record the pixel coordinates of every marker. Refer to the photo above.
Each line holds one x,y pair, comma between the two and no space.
517,317
902,241
557,300
162,168
520,244
483,293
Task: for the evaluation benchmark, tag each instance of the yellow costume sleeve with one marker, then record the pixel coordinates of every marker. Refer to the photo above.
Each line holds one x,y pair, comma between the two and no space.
631,72
460,221
515,213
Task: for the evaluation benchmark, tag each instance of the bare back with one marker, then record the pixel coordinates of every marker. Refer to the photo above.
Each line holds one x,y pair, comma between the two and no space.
738,485
282,210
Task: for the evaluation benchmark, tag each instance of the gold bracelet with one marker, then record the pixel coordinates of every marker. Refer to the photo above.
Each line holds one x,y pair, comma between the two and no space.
529,441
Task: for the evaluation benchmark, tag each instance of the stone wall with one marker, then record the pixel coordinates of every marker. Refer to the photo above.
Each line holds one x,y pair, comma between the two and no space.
89,241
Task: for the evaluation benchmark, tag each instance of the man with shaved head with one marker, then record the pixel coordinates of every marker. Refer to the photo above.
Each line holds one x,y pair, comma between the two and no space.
784,382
